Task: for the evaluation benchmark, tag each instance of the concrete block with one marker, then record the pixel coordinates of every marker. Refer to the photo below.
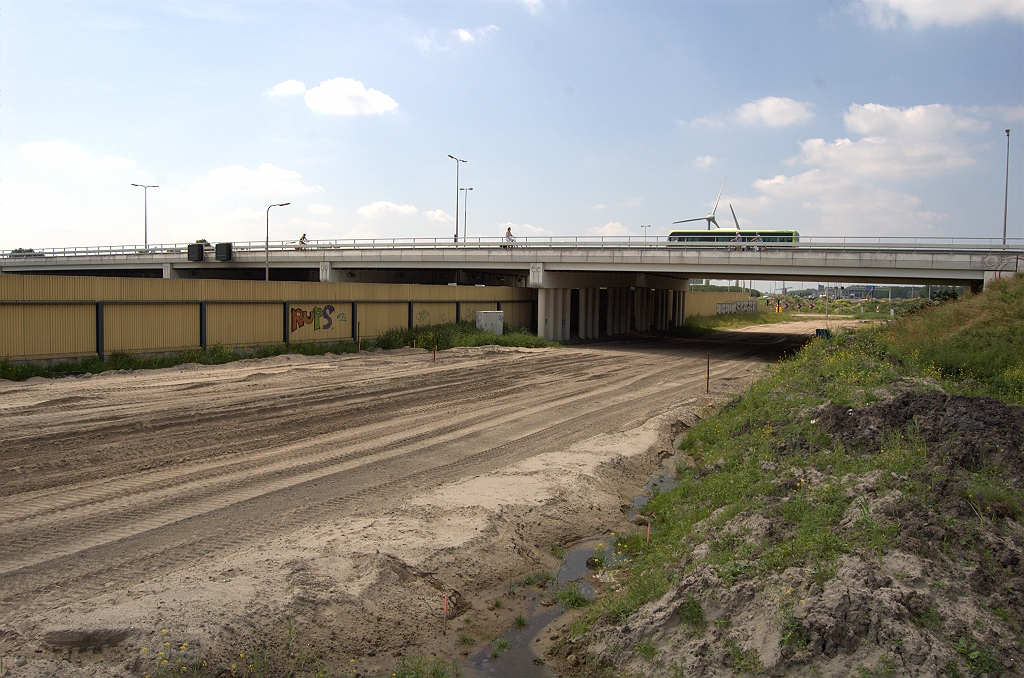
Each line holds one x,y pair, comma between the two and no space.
491,321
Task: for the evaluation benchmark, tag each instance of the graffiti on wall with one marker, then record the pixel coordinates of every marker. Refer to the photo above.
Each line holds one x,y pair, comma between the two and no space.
321,318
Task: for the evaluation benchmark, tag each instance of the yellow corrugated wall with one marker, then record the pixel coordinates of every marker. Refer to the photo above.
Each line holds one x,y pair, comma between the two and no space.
377,317
58,331
433,314
518,314
150,328
244,324
64,331
16,287
705,303
324,321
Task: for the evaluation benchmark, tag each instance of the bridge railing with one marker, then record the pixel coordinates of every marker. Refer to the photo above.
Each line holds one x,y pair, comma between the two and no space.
880,243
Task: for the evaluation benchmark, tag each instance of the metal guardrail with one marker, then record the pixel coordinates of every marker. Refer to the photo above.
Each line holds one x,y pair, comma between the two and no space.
923,243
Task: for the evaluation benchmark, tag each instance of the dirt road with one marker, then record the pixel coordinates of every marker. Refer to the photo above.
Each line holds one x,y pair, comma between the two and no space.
346,492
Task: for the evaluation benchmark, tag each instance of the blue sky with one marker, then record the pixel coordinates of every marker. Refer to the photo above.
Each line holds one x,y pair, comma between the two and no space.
852,117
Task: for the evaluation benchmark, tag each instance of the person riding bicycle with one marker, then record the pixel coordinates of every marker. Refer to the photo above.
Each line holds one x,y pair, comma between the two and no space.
509,238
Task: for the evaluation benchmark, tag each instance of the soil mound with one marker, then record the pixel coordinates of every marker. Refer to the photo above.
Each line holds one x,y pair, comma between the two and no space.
964,431
928,580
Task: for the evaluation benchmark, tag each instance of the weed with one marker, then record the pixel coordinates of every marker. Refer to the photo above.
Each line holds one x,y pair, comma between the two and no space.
883,668
426,667
929,619
691,614
497,603
646,649
723,623
792,631
519,622
742,661
823,572
465,639
979,657
558,551
572,596
501,645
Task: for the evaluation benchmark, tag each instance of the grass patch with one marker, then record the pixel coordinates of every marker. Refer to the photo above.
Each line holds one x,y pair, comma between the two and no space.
691,614
646,649
519,622
743,661
740,455
448,336
571,596
427,667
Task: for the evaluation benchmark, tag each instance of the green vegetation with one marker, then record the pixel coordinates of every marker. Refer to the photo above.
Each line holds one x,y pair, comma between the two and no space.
448,336
691,614
767,455
646,649
572,596
457,334
427,667
519,622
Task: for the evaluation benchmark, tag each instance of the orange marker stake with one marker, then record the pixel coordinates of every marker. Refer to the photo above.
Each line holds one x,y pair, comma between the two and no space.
648,533
446,613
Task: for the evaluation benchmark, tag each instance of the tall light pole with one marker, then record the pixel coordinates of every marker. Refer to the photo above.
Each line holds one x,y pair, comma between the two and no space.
145,208
465,214
1006,191
457,161
266,261
645,227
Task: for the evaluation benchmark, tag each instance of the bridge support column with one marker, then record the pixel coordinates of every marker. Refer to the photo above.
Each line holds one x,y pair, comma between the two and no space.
595,312
589,312
327,272
544,304
566,313
556,314
169,271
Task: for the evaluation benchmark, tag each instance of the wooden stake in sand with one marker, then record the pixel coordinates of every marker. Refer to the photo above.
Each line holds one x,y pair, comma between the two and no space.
445,622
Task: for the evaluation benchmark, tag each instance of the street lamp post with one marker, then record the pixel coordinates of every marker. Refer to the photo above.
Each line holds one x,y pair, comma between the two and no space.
266,260
645,227
1006,191
145,211
465,213
457,161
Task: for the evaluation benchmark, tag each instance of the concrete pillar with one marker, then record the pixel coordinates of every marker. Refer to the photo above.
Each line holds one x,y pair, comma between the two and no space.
595,312
556,314
543,313
169,271
583,329
566,313
327,272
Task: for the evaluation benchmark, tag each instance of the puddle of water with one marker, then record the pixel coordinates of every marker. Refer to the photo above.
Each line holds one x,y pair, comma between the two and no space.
518,660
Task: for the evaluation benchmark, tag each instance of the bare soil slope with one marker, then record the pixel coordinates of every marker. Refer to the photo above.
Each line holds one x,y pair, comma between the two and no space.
346,493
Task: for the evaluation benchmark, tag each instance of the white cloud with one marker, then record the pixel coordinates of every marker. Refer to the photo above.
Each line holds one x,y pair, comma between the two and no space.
318,208
338,96
885,14
533,5
898,142
362,232
849,205
774,112
611,228
600,206
523,229
266,181
440,217
287,88
704,161
895,144
383,207
116,164
710,123
473,36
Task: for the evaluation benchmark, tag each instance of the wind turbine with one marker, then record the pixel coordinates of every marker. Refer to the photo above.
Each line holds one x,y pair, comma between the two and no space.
711,217
734,217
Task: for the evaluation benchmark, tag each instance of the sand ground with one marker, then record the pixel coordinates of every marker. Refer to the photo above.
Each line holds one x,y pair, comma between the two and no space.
324,505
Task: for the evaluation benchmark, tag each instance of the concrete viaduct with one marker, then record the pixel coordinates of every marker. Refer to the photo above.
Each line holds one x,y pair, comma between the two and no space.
645,279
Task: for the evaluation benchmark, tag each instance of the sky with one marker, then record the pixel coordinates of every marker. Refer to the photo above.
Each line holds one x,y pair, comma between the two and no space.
854,118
